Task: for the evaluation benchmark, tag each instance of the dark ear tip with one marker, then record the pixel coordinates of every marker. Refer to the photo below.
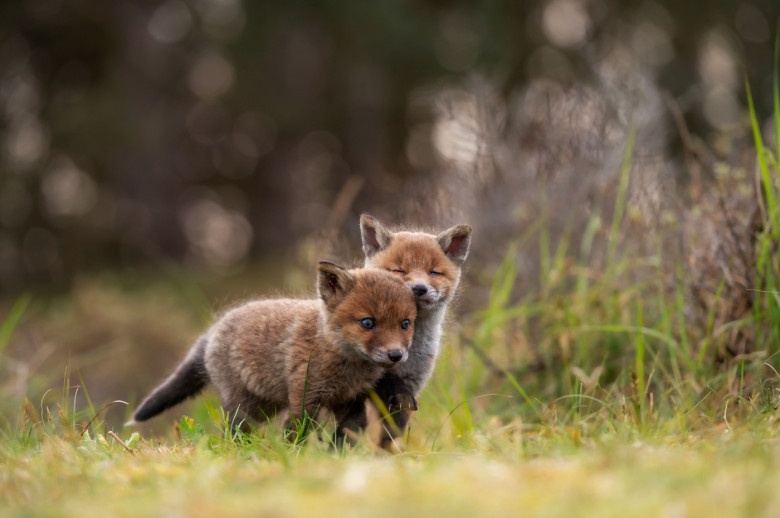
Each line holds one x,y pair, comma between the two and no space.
458,231
367,218
327,266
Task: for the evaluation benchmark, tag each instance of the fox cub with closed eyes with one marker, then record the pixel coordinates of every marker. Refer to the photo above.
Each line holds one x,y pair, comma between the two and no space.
303,355
430,265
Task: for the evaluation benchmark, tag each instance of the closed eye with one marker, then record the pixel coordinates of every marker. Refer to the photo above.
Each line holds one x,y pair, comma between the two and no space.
435,273
398,270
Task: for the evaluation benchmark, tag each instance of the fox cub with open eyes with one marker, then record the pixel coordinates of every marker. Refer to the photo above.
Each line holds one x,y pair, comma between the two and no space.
430,265
269,355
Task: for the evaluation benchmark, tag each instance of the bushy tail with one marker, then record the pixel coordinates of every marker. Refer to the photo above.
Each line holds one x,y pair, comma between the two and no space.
189,378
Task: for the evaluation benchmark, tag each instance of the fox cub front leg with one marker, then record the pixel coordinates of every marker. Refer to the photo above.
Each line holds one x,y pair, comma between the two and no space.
350,417
394,393
397,399
400,403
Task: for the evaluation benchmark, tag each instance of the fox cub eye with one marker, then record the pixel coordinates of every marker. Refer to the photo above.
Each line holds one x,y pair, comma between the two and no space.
435,273
368,324
398,270
405,324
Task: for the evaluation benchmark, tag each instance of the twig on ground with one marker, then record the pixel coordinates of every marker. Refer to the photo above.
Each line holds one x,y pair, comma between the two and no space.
123,443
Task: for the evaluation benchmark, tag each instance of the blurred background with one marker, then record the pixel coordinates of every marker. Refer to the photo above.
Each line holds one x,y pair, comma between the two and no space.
160,160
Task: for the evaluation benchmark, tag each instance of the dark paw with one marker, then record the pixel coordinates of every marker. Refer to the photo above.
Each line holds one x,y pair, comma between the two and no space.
398,402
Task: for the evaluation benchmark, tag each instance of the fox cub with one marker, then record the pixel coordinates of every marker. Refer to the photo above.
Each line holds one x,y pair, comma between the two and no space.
430,265
269,355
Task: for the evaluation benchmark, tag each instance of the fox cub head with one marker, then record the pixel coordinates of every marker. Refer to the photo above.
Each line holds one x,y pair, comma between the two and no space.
368,312
428,264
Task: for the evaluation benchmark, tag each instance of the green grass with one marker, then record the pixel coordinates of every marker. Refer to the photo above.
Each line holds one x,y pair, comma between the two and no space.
716,474
602,462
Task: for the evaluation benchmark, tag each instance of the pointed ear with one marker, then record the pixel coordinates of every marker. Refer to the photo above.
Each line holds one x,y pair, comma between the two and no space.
455,243
333,281
375,236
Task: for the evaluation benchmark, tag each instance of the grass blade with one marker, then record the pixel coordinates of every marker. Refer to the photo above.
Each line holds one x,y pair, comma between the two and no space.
12,320
766,179
776,91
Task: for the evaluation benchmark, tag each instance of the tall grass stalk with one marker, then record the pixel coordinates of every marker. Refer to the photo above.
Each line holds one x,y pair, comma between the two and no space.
767,183
639,357
12,320
776,92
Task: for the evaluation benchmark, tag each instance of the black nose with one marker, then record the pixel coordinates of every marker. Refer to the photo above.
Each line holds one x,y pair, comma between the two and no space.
395,356
419,290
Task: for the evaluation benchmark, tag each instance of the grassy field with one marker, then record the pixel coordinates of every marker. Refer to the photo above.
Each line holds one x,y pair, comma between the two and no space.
621,408
620,389
723,471
708,458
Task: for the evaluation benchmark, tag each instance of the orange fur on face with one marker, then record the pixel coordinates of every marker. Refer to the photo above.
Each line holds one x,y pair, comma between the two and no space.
419,260
429,264
377,297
